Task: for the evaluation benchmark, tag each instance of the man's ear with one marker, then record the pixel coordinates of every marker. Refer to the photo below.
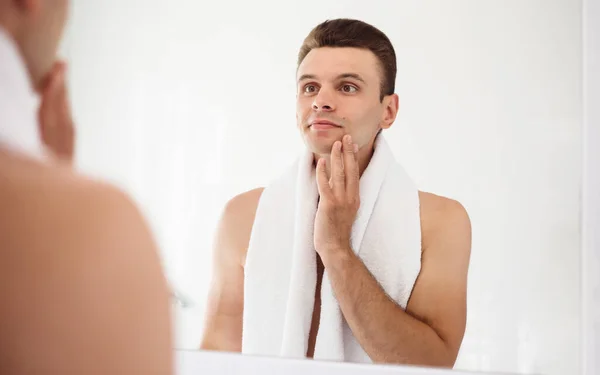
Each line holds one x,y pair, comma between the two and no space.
391,104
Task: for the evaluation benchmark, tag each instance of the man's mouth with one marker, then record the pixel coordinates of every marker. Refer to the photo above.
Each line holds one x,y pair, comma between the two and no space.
324,125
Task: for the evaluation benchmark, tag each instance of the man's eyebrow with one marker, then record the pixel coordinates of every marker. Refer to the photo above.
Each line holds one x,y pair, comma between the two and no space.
341,76
304,77
352,75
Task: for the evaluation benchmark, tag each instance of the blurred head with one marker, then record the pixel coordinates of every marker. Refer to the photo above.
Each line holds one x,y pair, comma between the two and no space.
37,27
345,84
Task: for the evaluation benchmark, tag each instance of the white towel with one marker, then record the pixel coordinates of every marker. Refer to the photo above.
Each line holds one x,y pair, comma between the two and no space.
18,103
280,269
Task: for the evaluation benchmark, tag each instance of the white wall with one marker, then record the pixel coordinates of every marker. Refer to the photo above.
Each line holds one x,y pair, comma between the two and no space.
184,103
590,198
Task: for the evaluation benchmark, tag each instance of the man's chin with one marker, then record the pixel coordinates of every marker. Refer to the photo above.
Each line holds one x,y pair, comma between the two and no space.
321,148
321,145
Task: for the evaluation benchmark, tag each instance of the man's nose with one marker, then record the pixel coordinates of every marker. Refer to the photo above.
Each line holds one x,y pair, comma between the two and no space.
324,101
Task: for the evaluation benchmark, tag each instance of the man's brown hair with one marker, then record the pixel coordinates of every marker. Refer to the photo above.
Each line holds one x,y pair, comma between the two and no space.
344,32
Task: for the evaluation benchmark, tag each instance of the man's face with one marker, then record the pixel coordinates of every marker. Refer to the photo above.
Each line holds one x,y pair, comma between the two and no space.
40,33
338,93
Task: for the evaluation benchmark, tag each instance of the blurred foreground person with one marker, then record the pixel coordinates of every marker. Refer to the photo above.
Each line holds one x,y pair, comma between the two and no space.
81,285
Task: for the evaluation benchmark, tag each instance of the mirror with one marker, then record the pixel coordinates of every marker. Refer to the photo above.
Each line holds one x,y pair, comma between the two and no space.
186,106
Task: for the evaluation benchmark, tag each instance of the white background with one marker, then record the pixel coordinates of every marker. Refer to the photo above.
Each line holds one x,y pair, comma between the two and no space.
185,104
591,192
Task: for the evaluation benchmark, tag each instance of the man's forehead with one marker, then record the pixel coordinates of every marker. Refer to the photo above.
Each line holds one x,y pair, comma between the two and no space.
330,63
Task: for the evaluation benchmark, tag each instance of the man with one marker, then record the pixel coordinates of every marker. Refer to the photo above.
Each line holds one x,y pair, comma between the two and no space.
346,74
81,284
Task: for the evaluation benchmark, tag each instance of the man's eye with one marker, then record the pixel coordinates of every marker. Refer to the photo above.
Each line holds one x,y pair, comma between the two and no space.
348,88
310,88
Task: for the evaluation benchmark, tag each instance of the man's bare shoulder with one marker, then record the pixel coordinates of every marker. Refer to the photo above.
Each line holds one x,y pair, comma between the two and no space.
83,243
435,205
53,203
444,220
237,221
245,203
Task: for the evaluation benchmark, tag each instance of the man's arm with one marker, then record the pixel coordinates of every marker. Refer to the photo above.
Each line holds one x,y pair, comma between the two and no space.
225,307
82,287
430,331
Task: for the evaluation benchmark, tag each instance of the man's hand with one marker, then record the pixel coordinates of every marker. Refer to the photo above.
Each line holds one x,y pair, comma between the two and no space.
56,125
339,199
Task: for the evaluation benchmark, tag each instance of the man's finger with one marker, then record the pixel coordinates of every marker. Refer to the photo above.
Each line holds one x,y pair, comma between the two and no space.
62,100
50,99
337,170
54,81
350,168
322,182
56,124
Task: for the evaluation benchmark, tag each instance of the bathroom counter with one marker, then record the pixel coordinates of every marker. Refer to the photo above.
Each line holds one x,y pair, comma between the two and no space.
202,362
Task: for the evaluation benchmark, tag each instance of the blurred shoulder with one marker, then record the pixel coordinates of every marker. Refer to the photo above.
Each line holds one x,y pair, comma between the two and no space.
53,204
78,250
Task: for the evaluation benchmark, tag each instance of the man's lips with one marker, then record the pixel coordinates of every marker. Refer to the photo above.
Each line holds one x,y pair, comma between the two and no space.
323,125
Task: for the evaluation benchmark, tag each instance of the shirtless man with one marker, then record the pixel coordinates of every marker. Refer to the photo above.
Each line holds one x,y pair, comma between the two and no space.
81,284
346,70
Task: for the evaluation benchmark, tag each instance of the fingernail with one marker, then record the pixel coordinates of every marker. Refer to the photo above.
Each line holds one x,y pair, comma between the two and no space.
349,140
355,148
